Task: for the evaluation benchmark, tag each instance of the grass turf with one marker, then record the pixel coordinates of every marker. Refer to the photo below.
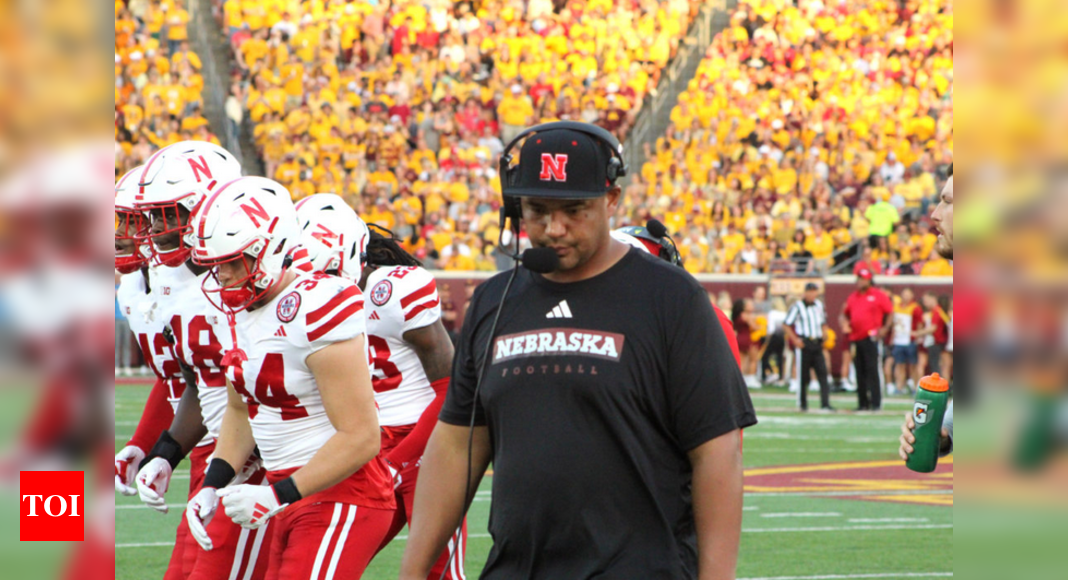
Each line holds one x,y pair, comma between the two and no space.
785,533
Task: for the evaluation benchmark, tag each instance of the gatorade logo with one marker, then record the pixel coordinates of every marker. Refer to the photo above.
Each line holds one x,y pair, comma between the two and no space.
919,413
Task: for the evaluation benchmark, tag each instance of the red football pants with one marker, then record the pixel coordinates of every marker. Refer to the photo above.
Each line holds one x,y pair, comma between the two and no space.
238,554
325,540
405,494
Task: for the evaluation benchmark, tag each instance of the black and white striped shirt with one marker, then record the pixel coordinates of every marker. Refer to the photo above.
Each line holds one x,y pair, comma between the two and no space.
807,320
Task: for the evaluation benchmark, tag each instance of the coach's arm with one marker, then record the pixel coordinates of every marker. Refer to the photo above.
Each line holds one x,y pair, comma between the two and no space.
440,498
717,504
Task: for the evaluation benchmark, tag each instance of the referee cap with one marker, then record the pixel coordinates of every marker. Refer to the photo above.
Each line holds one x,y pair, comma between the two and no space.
563,164
811,286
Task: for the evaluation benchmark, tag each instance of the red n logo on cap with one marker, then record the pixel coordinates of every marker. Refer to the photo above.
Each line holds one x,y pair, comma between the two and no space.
553,167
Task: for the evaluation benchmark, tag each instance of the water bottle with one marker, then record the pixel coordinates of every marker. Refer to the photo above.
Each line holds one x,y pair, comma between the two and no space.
932,397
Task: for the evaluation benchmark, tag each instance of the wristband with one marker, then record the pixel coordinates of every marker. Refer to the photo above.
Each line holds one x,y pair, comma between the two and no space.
219,474
167,448
286,491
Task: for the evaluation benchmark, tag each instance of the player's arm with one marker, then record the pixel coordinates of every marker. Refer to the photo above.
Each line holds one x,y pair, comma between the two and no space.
187,428
156,416
717,504
233,447
440,498
434,348
235,442
344,381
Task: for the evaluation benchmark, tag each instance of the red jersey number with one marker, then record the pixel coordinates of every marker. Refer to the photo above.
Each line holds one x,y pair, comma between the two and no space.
385,376
270,389
400,272
206,356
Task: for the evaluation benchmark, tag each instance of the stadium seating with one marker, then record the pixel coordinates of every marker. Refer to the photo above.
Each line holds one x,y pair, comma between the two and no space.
158,84
799,119
413,106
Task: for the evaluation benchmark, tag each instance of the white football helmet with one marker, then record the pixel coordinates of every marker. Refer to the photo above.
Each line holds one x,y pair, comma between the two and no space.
130,225
181,175
334,236
251,219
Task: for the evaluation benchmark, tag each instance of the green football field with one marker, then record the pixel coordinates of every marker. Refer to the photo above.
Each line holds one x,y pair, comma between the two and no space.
826,498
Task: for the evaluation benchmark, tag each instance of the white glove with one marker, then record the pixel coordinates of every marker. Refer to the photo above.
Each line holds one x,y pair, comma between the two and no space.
252,465
199,512
126,462
250,505
152,483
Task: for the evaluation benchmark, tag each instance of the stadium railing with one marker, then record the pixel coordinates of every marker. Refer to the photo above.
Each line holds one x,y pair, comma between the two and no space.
656,111
203,32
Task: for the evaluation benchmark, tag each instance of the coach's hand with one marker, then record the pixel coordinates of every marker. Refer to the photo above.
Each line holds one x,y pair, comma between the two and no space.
907,438
250,505
152,483
126,463
199,512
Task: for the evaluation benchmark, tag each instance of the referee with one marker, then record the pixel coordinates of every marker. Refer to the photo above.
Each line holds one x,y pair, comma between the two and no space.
806,327
610,404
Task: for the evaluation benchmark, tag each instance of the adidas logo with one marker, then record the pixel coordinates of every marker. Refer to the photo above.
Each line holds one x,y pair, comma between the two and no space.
374,316
281,331
561,310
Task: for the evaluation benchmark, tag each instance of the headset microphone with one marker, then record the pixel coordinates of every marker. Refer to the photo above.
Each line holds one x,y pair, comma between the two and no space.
656,228
541,260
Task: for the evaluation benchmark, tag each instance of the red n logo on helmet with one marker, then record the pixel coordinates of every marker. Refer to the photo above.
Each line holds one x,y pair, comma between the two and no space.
553,167
255,212
324,235
199,168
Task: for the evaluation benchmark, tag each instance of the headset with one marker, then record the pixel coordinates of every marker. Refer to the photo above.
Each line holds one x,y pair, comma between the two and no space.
617,166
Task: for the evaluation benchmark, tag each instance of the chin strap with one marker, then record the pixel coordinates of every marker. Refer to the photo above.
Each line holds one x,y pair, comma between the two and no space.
235,356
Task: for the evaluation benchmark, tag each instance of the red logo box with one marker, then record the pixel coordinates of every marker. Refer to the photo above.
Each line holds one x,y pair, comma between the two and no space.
52,506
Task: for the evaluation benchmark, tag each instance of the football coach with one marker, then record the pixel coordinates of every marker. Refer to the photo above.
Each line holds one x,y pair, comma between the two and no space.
605,394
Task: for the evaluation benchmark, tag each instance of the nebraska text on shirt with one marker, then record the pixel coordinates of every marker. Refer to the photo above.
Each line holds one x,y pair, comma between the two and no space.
551,341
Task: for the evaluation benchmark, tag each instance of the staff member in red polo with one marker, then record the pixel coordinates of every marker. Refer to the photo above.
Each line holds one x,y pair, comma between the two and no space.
866,319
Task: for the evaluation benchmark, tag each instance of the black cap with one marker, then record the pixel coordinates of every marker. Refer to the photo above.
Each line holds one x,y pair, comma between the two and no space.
811,286
562,163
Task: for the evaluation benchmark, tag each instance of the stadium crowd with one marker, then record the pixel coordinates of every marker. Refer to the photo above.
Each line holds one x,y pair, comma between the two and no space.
158,82
806,127
403,108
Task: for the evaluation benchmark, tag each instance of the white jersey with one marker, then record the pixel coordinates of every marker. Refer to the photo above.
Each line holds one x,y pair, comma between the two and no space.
399,299
285,408
202,337
146,312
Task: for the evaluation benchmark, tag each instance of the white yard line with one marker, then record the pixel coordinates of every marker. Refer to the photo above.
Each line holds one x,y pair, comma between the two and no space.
744,531
886,520
802,515
852,576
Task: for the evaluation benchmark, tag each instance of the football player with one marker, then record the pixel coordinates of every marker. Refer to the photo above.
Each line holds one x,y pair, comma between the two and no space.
300,391
173,184
411,353
140,298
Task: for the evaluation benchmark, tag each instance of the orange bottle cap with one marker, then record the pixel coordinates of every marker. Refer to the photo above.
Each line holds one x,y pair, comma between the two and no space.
934,383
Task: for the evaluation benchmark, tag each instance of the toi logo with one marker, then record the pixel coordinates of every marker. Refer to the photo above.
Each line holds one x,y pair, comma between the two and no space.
52,506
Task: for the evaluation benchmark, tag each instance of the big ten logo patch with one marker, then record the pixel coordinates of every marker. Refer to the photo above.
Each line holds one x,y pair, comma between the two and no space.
52,506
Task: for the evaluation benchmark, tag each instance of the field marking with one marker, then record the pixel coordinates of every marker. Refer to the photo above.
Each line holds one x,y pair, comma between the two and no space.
886,520
848,493
845,529
744,531
851,576
802,515
829,467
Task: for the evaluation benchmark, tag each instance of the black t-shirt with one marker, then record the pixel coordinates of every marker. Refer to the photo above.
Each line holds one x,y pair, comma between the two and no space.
595,392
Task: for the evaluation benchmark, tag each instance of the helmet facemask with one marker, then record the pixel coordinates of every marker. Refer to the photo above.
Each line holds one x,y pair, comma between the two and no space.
130,229
251,285
175,217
